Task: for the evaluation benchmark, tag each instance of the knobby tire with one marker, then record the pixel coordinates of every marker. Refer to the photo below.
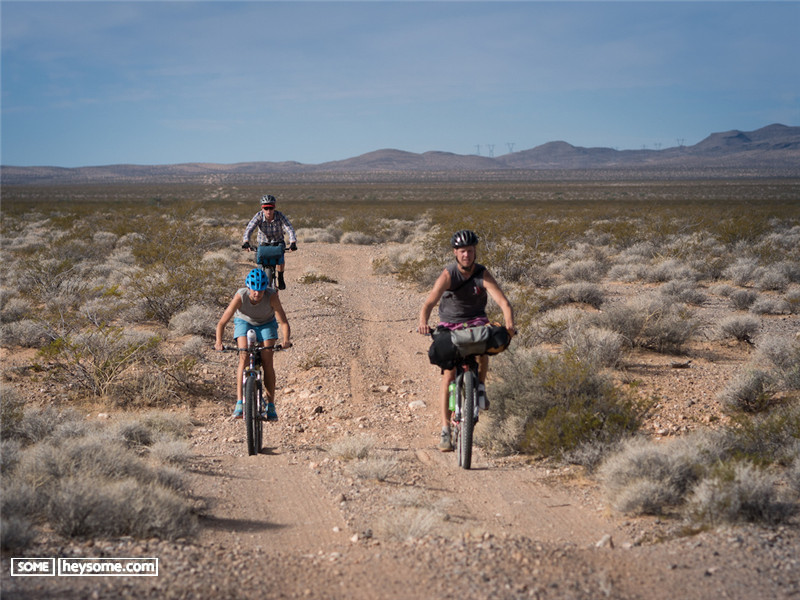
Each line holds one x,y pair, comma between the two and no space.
467,420
251,417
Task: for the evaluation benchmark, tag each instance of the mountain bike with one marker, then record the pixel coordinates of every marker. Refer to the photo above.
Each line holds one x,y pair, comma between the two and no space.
458,349
253,392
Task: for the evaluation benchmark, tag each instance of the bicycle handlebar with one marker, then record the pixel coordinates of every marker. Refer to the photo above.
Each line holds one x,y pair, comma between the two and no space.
275,348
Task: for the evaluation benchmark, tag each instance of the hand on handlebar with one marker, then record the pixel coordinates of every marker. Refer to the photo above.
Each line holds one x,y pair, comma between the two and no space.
246,246
293,246
424,329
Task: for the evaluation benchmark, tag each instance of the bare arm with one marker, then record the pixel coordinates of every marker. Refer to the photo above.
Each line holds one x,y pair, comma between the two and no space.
439,288
283,322
499,297
234,305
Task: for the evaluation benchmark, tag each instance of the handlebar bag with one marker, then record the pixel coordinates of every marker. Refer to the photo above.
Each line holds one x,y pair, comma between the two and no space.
443,352
484,339
269,256
449,347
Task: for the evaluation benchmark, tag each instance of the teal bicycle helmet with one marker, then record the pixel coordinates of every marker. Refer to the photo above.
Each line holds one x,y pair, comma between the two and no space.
256,280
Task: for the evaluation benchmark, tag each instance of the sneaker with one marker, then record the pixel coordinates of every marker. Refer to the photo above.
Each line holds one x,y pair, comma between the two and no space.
237,411
483,401
271,414
281,282
444,443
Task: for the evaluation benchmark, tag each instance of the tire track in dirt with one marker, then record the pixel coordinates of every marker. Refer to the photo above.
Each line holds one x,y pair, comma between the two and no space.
501,500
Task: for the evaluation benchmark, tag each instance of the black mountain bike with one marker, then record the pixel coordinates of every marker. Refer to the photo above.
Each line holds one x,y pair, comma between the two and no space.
253,392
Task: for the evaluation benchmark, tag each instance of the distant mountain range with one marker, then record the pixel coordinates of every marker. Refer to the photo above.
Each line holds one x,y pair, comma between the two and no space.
770,151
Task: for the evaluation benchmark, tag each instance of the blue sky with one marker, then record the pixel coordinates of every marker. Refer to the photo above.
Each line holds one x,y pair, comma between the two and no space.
154,82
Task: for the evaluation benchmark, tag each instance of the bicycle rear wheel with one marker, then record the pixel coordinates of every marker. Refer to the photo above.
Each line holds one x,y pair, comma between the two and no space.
270,272
252,419
466,398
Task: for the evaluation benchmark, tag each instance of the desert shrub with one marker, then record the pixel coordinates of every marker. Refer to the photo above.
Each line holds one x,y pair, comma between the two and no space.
710,476
13,309
656,322
750,391
11,410
37,424
553,404
82,507
739,492
175,452
768,305
782,355
626,272
793,299
723,290
742,271
684,291
165,290
356,237
584,270
10,452
96,482
195,319
310,235
26,333
352,447
740,328
587,293
742,299
772,277
594,345
96,359
764,438
793,474
16,533
377,468
193,346
312,277
647,478
668,270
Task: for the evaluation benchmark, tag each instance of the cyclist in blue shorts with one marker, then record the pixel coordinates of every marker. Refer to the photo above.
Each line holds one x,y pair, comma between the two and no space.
259,308
462,291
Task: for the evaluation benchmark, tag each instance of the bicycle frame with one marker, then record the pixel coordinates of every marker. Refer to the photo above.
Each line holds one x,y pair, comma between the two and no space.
465,415
252,392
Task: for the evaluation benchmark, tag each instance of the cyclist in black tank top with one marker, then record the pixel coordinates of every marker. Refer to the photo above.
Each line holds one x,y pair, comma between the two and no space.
462,291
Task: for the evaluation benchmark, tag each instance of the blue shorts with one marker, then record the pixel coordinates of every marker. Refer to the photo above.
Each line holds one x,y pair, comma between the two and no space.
267,331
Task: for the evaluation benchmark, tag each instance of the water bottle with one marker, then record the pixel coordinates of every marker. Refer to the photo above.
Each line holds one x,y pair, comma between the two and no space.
452,389
251,338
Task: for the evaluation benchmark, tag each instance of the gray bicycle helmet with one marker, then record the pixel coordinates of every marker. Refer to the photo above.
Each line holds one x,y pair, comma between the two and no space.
463,238
267,200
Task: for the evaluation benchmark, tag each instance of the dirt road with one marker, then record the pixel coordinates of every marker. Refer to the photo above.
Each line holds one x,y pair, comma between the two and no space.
406,522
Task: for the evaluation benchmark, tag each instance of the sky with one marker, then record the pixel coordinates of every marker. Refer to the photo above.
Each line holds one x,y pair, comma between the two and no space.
156,82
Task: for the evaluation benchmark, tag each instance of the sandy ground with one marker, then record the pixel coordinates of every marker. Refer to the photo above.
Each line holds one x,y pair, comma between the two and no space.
296,522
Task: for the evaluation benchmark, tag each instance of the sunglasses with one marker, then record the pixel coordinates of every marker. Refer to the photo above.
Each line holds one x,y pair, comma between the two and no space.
267,208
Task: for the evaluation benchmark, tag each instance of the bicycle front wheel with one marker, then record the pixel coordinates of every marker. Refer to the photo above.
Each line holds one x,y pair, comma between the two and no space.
466,398
252,419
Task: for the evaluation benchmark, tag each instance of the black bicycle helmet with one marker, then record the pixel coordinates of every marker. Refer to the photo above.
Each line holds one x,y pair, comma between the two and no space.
267,200
463,238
